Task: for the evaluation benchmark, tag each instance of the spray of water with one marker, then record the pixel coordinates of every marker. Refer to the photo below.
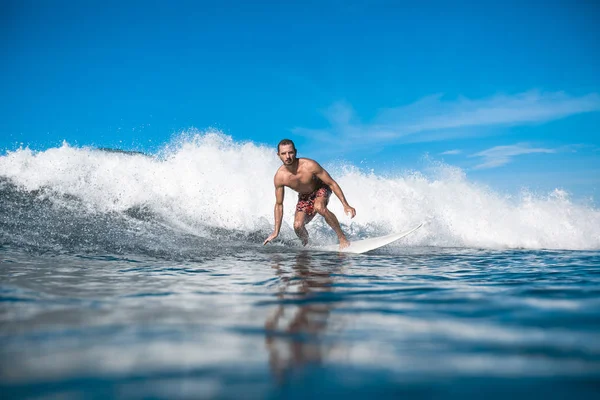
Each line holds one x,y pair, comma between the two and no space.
202,182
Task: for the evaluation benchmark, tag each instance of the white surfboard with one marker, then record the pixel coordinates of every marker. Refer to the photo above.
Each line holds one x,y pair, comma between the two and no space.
362,246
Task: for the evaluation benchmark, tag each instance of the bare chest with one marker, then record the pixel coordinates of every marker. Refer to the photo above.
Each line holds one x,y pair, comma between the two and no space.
302,182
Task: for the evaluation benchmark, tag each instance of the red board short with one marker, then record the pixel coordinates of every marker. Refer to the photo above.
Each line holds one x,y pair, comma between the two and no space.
306,202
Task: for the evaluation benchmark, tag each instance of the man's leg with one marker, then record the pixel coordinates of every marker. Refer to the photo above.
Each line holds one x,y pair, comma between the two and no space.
331,219
300,221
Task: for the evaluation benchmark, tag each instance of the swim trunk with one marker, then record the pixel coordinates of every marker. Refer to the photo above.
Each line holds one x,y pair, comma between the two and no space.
306,202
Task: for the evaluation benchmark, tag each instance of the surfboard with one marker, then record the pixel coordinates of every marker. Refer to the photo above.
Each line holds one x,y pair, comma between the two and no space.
362,246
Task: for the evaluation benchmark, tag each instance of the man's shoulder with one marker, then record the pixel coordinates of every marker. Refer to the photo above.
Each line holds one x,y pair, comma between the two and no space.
279,174
308,162
310,165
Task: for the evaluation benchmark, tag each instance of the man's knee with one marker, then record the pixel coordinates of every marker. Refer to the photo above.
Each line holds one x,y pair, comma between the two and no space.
298,225
321,208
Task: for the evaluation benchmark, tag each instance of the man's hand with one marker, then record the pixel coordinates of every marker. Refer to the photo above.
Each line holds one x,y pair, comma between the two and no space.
271,237
350,211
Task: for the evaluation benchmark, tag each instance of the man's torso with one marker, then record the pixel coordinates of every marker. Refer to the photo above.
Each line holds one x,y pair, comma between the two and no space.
303,180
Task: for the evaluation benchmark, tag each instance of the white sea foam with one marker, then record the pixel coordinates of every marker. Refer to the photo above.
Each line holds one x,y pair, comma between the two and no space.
208,180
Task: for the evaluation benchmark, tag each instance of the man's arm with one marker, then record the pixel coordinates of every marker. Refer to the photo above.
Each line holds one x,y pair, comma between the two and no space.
328,180
279,193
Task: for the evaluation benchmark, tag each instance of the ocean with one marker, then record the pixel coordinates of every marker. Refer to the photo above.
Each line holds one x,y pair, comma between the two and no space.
126,275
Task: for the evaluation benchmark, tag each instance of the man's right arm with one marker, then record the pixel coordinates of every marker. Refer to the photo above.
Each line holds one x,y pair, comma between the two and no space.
279,193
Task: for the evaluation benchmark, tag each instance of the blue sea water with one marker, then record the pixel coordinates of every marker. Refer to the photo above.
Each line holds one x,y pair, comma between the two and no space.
131,276
260,323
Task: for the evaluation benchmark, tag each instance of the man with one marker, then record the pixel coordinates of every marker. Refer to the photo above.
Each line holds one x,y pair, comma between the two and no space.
314,186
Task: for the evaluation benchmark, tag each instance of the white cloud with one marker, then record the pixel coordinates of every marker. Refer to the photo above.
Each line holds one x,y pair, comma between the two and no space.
451,152
432,118
501,155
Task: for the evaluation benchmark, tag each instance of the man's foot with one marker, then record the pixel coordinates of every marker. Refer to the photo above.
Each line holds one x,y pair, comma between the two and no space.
304,241
344,243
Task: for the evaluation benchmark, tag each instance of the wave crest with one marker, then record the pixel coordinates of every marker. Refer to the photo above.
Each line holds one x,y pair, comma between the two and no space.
202,183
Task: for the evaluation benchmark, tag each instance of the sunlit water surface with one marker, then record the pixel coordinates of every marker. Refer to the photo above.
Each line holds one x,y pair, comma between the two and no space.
128,275
261,322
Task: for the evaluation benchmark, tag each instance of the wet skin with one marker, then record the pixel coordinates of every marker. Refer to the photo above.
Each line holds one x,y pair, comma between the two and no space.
303,175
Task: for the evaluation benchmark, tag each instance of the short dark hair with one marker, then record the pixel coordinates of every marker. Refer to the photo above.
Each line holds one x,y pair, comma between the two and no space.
285,142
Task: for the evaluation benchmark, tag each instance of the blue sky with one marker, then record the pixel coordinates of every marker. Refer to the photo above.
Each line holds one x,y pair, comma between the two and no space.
509,92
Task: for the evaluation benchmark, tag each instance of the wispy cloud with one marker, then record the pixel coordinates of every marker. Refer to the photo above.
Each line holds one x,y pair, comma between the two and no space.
435,118
451,152
501,155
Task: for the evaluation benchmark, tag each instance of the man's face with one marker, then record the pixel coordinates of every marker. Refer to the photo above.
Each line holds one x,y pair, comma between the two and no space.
287,154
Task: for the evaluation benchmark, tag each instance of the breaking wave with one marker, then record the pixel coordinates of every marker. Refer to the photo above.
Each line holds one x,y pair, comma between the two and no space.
205,190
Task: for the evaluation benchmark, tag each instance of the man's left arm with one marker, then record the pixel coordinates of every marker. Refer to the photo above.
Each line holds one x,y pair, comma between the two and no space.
329,181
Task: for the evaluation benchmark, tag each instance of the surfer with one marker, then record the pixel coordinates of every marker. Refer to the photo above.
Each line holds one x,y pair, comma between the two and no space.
314,186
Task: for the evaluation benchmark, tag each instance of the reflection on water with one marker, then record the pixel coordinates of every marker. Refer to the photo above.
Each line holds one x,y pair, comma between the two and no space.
296,328
286,323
